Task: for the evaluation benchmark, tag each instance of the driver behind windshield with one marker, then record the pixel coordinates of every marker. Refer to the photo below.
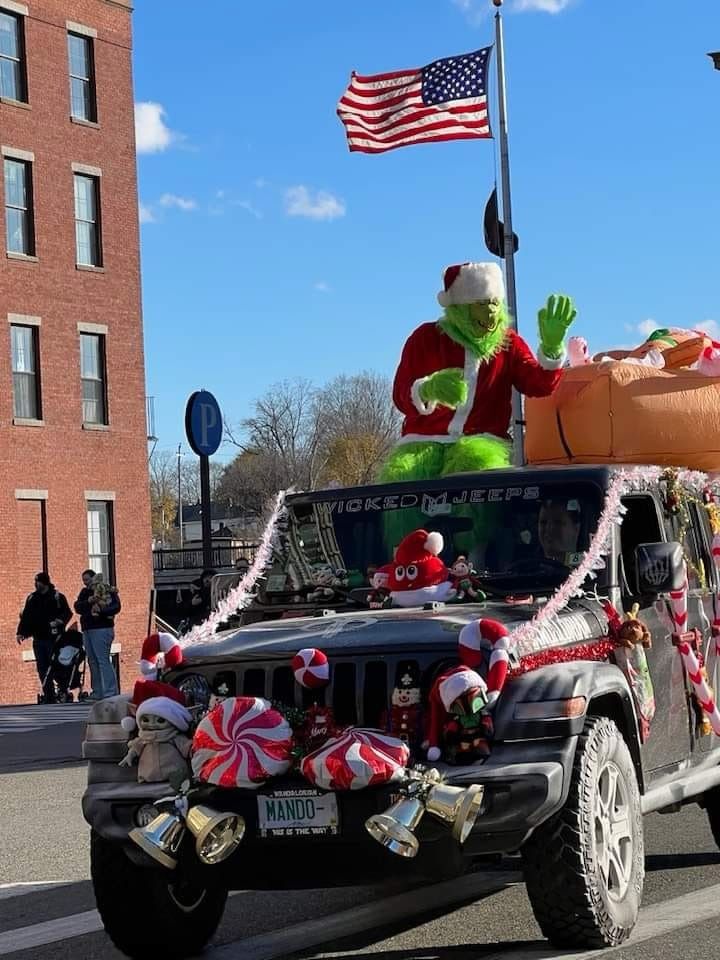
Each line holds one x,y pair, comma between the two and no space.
559,531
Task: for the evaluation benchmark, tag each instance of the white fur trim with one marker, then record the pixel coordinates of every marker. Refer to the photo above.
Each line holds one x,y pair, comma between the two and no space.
457,684
551,363
433,754
418,402
471,368
434,543
148,668
172,711
128,724
476,282
166,641
415,598
444,438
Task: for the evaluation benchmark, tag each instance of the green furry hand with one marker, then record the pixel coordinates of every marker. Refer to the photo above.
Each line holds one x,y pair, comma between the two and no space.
446,387
554,319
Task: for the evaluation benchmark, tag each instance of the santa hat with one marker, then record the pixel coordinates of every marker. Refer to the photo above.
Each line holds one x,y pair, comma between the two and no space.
418,545
444,692
155,645
471,283
148,690
169,709
477,636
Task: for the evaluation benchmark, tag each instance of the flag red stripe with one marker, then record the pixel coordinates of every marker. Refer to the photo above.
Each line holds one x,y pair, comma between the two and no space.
356,148
429,127
376,77
411,116
381,104
383,91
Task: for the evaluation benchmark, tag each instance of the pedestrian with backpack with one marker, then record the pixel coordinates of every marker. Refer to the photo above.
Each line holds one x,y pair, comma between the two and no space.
44,617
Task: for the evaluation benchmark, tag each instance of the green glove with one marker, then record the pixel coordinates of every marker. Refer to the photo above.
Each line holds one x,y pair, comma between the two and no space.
446,387
554,320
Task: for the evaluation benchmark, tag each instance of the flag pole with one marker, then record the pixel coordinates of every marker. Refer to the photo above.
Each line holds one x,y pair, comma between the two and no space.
509,252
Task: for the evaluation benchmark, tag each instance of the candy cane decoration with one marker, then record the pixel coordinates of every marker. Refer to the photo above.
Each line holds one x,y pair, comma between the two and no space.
679,604
702,691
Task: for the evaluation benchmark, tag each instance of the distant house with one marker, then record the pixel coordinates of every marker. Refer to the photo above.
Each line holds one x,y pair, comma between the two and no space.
229,523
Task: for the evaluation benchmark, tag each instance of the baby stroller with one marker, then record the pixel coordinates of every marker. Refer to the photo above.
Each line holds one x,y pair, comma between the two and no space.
67,668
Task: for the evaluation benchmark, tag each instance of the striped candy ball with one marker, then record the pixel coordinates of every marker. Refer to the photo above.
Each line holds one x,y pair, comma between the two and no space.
357,759
241,743
311,668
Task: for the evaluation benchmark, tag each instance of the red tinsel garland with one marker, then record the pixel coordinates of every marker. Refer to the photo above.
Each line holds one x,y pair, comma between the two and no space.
599,650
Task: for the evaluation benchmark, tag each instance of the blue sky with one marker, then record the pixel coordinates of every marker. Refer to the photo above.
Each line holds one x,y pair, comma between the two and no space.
269,251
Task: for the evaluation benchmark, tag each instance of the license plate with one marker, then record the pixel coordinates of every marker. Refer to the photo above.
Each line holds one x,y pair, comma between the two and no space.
298,813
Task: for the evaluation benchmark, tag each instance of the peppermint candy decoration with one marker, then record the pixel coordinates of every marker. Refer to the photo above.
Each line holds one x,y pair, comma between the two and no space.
241,743
357,759
311,668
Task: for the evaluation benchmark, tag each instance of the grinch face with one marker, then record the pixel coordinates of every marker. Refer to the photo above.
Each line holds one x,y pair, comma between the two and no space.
479,327
151,723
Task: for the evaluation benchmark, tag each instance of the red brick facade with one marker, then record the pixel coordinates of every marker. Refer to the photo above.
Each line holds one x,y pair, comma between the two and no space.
50,468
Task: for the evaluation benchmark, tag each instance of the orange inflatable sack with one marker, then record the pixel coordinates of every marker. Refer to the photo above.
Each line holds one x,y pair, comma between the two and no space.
614,412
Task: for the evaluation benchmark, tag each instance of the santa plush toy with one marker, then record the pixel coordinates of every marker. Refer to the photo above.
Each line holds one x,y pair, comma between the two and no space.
455,378
418,575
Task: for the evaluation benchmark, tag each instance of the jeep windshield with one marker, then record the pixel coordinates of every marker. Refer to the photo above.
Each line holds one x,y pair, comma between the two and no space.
520,538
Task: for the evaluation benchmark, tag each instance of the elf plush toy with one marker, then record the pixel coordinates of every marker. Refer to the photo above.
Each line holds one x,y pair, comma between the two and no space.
454,381
458,723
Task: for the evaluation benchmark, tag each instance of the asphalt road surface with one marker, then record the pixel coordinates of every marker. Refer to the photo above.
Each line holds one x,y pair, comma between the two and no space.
47,907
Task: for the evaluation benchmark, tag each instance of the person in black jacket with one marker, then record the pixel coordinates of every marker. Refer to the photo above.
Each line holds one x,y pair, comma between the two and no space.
44,617
98,604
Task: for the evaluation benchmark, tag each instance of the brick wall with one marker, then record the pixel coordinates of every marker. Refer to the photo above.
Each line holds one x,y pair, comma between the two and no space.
60,456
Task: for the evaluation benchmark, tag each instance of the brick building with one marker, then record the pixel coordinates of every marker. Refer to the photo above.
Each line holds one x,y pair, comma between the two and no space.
73,453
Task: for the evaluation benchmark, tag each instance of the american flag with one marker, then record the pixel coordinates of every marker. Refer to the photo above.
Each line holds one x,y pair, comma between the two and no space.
446,100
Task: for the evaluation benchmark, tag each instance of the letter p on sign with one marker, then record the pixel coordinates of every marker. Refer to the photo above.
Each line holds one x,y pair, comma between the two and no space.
203,423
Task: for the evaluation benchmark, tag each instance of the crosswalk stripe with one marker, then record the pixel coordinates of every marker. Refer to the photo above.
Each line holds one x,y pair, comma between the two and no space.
37,717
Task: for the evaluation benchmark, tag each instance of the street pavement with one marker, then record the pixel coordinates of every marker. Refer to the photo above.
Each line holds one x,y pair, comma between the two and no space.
47,906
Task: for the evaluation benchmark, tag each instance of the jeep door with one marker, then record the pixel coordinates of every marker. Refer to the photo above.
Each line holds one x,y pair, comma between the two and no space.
669,742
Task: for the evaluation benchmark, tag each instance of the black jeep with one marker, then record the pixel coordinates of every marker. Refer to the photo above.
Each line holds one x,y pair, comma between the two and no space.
569,774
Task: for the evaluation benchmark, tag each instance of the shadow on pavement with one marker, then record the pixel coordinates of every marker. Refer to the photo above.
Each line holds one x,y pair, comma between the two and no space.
678,861
43,749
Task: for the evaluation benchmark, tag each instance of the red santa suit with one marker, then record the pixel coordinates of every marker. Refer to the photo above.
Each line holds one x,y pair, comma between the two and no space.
488,406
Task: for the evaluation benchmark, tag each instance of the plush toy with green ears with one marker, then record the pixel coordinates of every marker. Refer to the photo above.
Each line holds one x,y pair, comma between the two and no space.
455,377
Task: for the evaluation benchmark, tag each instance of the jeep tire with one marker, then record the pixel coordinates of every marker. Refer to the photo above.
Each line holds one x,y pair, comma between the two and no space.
584,868
144,913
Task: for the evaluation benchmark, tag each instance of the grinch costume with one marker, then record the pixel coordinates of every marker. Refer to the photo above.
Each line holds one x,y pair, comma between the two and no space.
455,377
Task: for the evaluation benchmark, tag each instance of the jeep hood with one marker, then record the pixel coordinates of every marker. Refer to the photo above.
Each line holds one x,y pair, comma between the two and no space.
375,631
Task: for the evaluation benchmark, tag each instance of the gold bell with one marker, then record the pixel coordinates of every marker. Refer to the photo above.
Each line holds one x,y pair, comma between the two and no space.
395,829
217,834
457,805
161,838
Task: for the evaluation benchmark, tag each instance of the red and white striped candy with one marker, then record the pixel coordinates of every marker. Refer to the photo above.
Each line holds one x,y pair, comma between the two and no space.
702,691
241,743
678,604
311,668
357,759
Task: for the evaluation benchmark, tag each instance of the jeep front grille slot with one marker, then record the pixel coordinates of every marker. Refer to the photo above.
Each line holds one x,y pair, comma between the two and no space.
375,700
283,685
344,691
254,683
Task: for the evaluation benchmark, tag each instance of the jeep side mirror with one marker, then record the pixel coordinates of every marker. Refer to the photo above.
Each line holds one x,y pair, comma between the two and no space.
660,568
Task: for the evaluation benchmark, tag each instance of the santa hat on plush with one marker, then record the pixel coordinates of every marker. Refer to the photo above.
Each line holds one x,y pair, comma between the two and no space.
419,575
166,702
471,283
487,641
159,650
449,686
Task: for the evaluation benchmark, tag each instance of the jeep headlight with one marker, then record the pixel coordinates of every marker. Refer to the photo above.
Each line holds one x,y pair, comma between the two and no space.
196,690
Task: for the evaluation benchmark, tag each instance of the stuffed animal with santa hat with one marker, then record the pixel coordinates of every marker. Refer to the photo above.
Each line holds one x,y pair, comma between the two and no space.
455,378
458,726
379,596
418,575
161,748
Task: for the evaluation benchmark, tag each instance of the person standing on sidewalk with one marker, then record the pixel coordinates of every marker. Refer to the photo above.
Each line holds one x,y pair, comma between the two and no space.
44,617
98,604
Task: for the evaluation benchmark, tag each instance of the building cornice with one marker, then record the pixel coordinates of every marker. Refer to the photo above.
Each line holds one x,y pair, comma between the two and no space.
125,4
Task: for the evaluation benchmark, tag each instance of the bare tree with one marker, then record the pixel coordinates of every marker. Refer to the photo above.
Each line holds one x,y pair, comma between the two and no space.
163,494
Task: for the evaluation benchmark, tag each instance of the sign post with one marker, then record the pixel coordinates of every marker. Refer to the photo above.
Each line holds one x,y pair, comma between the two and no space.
204,428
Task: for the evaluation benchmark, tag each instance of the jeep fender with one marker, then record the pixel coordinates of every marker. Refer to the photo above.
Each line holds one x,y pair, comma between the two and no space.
602,685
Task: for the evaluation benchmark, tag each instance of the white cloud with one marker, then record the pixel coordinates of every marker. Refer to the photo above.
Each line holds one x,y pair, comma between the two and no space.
647,327
322,287
478,10
179,203
146,214
546,6
249,208
300,201
152,134
260,183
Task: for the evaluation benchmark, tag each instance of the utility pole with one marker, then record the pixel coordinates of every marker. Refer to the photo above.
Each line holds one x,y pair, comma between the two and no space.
179,496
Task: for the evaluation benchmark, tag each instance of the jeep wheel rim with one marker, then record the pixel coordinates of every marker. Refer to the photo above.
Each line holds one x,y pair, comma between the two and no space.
613,831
